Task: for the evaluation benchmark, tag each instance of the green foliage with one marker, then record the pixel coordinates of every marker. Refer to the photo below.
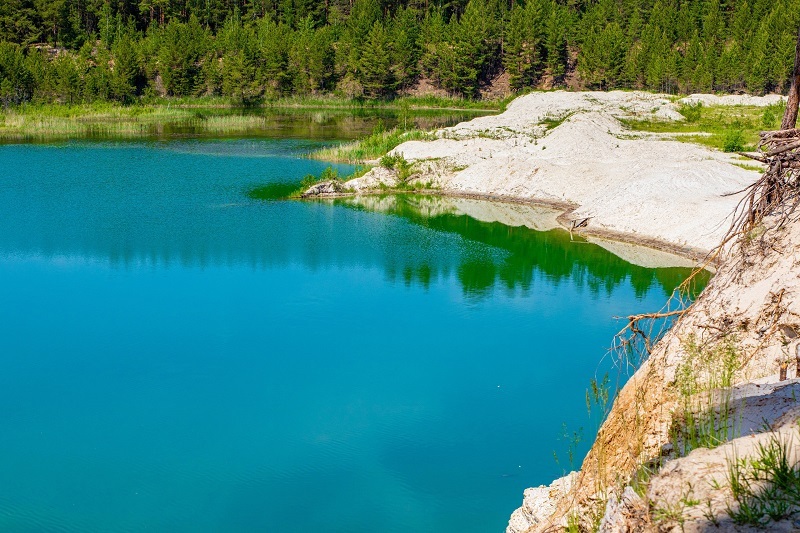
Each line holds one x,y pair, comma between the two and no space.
772,115
375,64
398,163
692,112
16,81
602,56
253,51
734,141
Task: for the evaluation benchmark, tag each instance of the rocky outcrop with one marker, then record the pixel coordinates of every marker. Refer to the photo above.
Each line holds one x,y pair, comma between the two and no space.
324,188
539,504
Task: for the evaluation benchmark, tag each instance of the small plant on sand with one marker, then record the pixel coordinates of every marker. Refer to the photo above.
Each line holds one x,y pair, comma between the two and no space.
674,512
767,486
573,523
397,162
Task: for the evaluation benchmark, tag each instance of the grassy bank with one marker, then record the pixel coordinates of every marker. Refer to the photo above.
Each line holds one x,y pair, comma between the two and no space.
208,115
53,122
727,128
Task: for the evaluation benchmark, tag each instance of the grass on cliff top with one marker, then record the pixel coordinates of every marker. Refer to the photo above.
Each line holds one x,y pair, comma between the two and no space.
726,128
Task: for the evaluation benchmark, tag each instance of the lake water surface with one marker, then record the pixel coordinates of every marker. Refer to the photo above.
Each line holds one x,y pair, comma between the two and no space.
176,356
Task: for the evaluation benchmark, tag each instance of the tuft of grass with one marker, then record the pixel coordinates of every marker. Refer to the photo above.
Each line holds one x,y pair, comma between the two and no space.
329,174
553,121
573,523
398,163
767,486
674,512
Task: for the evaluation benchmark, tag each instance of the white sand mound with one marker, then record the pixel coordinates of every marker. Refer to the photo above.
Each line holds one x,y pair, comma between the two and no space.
732,99
644,185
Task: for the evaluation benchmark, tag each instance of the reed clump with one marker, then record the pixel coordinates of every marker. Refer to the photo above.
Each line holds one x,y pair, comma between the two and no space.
706,412
372,147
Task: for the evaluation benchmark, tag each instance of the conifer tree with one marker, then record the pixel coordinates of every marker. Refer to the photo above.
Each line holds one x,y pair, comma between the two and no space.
375,64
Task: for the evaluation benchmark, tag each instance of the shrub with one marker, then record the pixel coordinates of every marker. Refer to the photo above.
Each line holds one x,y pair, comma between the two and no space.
398,163
692,112
733,141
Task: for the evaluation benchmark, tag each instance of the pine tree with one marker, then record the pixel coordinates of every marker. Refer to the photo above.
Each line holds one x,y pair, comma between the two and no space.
18,22
375,65
602,56
556,41
523,44
16,82
405,47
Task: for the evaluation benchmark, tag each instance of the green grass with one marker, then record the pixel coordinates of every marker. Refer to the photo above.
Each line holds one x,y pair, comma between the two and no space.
706,418
52,122
204,115
372,147
551,122
727,128
767,486
754,168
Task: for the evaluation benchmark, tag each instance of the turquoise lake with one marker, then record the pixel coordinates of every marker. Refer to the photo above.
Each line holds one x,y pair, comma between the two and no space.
176,356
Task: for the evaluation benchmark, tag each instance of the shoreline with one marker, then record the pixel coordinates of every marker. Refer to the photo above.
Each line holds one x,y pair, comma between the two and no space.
690,253
658,192
105,121
573,151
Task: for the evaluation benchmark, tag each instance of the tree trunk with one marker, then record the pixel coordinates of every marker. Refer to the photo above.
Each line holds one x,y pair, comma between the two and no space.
790,115
797,361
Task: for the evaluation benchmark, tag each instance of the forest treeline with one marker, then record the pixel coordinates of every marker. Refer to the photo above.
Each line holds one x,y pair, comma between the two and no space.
86,50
